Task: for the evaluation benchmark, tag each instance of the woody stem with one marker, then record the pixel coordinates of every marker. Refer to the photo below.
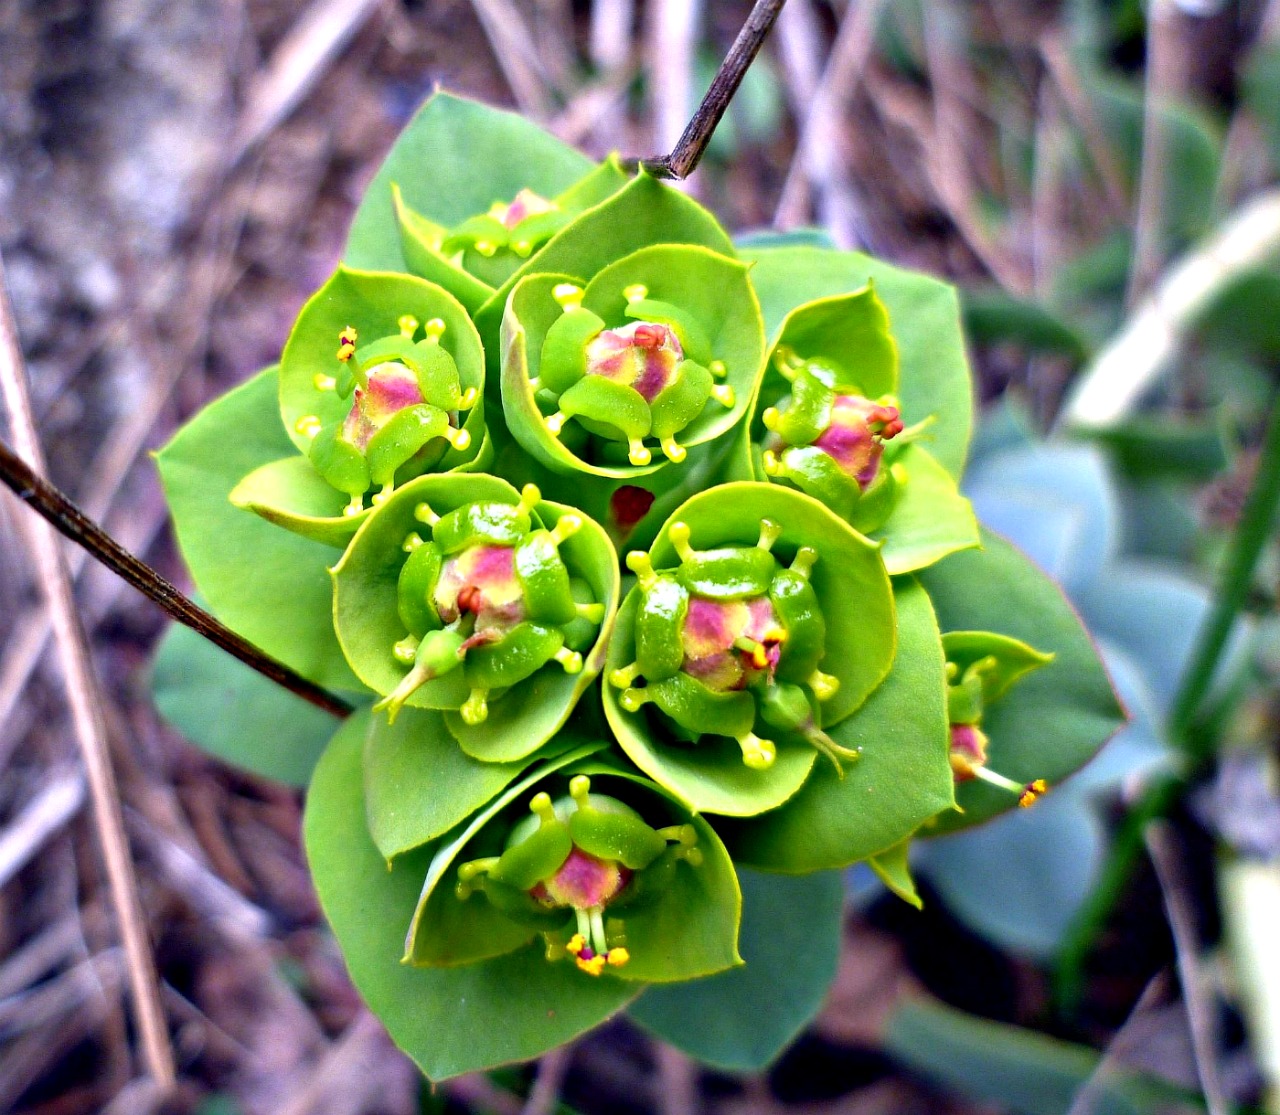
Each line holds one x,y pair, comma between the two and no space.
693,142
72,523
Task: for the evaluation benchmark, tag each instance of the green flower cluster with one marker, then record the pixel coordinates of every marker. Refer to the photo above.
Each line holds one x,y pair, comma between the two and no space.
616,527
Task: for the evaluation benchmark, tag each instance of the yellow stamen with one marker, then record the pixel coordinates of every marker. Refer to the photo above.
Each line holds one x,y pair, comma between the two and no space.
408,325
674,451
618,957
308,425
723,394
323,382
576,944
638,454
592,967
636,292
569,295
434,329
459,439
346,343
571,660
1032,792
717,369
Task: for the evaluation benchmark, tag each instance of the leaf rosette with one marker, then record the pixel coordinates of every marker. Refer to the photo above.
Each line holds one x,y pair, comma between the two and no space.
828,422
759,620
613,872
382,380
620,375
461,594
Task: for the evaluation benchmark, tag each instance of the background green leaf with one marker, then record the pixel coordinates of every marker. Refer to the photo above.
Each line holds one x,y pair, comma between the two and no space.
741,1020
453,160
452,1020
1055,719
902,779
924,315
267,584
930,520
235,713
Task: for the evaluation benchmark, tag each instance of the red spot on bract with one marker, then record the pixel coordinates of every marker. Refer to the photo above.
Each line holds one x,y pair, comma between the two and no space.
629,504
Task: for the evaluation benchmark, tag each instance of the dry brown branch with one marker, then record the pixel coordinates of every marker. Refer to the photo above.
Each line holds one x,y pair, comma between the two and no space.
1201,1006
57,802
85,700
544,1096
345,1072
509,37
1114,1056
297,64
817,161
670,41
1163,78
39,956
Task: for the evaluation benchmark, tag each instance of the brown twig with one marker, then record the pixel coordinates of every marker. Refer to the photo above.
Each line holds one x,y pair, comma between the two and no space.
544,1096
1166,858
54,506
86,711
689,149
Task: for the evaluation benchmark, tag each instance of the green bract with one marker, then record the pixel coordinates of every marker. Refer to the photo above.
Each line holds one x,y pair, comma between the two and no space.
458,591
759,620
528,369
663,346
828,421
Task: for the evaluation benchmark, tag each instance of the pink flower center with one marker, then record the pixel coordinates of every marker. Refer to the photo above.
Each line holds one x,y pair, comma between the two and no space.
583,882
392,387
855,437
481,580
730,644
643,355
526,204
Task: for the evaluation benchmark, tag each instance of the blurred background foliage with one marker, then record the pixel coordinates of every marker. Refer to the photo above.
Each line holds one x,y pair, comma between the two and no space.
1099,177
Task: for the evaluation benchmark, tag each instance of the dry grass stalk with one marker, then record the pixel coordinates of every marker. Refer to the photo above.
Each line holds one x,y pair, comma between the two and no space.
85,701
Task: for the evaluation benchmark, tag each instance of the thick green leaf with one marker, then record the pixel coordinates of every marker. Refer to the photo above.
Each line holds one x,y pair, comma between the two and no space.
291,494
1055,719
931,518
925,318
853,331
894,870
1027,1072
642,213
233,712
741,1020
453,1020
902,779
270,586
453,160
419,783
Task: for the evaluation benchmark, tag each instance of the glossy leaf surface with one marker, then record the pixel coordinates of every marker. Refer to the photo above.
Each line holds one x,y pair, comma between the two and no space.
742,1020
233,712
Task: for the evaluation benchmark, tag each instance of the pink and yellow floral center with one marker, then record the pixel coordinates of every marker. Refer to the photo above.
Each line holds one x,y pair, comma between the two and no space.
855,437
392,387
526,204
481,580
728,644
583,882
643,355
968,751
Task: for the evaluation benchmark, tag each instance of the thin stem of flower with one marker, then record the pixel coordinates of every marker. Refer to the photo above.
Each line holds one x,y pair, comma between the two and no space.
693,142
72,523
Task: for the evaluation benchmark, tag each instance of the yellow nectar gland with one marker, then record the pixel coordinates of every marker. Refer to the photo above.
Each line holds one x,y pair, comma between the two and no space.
723,394
407,324
636,292
308,425
323,382
569,295
434,329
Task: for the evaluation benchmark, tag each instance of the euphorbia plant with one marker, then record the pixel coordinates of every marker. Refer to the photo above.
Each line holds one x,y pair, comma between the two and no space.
612,529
